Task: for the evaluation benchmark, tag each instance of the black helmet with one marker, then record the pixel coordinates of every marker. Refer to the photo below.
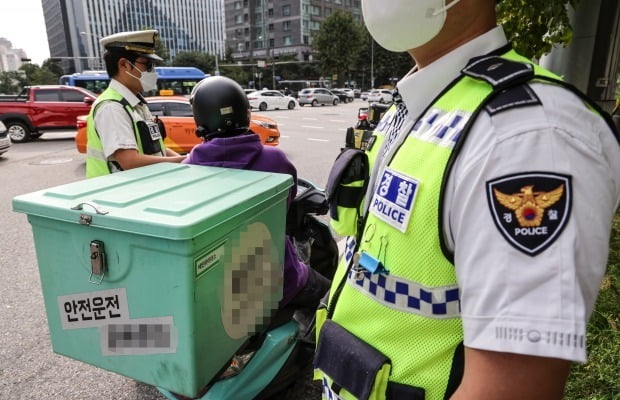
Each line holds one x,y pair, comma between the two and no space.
220,107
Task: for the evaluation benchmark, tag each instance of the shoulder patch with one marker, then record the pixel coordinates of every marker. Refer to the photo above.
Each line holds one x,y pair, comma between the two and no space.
530,209
498,72
517,96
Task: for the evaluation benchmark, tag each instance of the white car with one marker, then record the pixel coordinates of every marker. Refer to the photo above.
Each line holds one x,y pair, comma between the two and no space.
271,99
5,142
349,92
380,96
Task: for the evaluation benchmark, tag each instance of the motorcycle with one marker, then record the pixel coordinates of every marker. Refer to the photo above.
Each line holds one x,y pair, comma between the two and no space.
271,361
359,136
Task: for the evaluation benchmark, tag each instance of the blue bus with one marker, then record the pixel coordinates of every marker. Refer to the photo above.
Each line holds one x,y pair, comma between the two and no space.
171,80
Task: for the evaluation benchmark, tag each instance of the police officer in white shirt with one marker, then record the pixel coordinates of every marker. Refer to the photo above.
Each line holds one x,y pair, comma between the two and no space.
121,132
526,174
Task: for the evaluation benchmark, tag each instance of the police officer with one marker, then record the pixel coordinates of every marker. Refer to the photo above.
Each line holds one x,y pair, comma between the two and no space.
482,239
121,134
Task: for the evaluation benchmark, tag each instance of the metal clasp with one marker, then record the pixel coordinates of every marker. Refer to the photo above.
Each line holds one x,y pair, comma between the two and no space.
97,210
86,219
97,261
358,271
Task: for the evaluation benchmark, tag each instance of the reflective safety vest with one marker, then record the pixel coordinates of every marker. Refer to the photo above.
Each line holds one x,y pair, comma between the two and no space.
96,162
392,326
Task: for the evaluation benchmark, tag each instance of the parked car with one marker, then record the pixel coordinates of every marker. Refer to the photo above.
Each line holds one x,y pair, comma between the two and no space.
5,142
350,93
364,95
316,96
271,99
380,95
175,113
342,96
43,107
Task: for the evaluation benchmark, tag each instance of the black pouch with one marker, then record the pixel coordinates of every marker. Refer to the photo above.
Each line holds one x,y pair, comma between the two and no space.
350,362
346,184
150,136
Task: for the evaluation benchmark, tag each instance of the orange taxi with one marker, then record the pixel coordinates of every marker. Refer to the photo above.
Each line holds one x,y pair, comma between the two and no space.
175,113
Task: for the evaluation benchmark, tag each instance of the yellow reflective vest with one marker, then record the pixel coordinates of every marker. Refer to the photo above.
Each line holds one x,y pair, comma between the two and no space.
394,298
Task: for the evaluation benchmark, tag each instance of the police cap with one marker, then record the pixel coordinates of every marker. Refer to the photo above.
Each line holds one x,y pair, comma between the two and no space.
140,42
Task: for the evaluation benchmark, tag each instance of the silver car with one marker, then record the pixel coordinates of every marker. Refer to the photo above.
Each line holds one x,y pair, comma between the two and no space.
316,96
5,142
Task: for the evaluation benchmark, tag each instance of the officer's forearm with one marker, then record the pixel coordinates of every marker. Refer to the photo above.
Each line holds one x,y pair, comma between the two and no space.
491,375
130,158
171,153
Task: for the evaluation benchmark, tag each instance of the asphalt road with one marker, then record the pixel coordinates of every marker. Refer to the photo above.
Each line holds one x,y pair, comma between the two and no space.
29,369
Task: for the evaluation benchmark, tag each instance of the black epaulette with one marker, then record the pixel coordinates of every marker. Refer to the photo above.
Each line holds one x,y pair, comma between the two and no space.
509,80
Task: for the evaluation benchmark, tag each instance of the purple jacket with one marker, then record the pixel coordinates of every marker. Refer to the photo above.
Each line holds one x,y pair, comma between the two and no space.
247,152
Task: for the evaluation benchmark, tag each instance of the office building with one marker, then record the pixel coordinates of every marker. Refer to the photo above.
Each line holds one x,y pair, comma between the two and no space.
74,27
258,30
10,59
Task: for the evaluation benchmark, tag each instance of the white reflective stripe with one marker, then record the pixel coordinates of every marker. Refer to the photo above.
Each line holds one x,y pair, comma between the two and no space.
328,393
96,154
441,302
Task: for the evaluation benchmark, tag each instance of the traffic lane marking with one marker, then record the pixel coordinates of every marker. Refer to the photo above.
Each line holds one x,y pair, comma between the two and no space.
312,127
310,139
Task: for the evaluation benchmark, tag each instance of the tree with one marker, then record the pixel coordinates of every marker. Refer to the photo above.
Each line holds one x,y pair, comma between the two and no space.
11,82
202,61
385,64
53,67
338,42
533,27
162,51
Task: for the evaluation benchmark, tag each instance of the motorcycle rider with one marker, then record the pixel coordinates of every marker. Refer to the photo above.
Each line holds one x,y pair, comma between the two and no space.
222,114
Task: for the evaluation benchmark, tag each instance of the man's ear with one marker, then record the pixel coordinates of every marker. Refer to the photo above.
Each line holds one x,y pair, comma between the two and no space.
124,64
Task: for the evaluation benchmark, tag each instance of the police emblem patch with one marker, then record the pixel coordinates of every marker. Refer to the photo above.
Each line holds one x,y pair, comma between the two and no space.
394,198
530,209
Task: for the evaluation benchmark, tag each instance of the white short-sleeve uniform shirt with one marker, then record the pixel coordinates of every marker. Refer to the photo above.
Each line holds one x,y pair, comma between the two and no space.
114,126
515,301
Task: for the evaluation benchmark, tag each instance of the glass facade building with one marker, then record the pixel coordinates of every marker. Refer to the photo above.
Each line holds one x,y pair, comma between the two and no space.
74,27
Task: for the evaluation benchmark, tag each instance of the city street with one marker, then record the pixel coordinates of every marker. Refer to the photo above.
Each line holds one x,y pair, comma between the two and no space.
311,138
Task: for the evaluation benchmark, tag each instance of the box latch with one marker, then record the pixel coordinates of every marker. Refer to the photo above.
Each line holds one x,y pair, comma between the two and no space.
97,261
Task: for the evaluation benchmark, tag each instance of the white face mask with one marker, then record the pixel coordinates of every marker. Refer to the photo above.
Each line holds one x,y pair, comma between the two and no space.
147,79
400,25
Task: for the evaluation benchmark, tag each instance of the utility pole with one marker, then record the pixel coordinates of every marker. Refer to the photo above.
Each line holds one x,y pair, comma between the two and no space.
372,63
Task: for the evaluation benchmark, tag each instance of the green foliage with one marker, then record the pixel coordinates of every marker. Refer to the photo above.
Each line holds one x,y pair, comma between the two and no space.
386,64
162,51
339,42
534,27
11,82
599,379
202,61
53,67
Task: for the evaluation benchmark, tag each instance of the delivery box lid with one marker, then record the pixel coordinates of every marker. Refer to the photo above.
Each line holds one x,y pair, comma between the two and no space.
175,201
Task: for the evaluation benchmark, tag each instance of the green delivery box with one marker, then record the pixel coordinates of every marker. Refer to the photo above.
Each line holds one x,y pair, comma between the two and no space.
160,273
